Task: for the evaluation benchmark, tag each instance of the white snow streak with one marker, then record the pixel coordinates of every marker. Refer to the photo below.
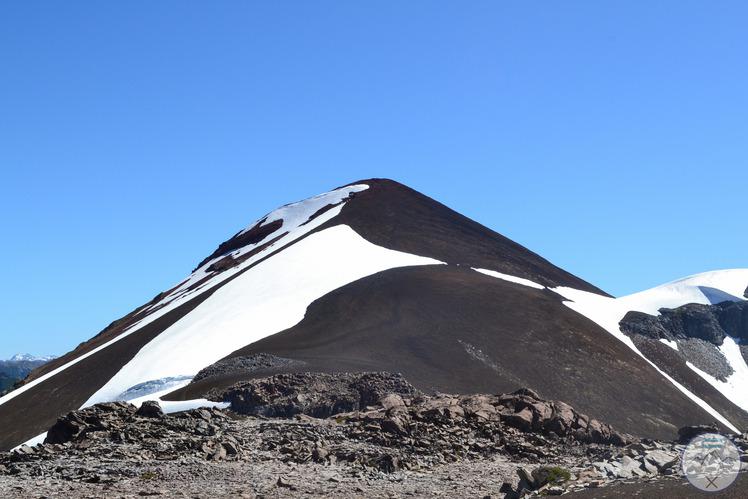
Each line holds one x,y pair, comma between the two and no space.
39,439
672,344
510,278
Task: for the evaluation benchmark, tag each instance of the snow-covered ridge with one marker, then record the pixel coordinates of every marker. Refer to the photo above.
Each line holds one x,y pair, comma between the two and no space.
706,288
201,280
26,357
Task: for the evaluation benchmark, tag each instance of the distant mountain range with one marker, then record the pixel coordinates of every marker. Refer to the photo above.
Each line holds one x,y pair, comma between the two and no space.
374,276
18,367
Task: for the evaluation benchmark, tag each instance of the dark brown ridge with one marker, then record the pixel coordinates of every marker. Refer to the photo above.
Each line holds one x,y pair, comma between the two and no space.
394,216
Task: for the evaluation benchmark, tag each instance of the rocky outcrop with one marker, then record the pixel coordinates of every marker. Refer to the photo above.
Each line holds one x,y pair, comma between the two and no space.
707,322
733,317
387,402
318,395
525,410
121,429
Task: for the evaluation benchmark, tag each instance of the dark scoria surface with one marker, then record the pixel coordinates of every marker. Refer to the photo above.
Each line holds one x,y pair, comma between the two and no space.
394,216
454,330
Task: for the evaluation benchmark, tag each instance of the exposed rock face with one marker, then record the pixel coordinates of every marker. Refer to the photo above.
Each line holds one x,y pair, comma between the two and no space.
634,323
313,394
707,322
733,317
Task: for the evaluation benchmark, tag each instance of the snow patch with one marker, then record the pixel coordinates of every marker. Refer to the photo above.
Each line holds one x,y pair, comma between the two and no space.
39,439
510,278
148,388
295,214
708,288
672,344
266,299
170,407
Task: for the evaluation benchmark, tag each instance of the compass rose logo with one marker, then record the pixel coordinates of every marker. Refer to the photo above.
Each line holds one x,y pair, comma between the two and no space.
711,462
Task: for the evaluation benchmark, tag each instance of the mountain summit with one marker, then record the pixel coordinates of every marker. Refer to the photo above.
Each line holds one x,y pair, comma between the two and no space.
374,276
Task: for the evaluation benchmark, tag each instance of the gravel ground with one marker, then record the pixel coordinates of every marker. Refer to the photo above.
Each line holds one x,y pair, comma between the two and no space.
668,488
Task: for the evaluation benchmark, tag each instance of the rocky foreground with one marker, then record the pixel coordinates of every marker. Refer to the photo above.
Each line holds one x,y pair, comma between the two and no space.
351,435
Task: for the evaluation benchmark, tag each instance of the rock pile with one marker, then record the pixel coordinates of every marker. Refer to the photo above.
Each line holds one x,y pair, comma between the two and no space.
368,425
642,460
120,429
392,404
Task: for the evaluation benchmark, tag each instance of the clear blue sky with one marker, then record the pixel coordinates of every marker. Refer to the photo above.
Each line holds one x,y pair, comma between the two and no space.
610,137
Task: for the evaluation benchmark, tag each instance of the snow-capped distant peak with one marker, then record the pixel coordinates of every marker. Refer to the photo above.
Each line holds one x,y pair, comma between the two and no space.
26,357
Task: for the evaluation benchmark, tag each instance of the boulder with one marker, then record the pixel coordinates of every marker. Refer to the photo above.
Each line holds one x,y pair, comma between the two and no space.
687,433
150,409
391,401
521,420
77,424
661,459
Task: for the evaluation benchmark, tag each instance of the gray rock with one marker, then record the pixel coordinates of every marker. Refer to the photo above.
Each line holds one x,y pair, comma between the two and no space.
661,459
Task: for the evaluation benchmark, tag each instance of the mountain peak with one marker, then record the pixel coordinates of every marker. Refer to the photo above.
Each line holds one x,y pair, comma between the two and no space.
26,357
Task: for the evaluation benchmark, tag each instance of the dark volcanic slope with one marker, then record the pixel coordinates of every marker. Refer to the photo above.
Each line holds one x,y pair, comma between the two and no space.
395,216
451,329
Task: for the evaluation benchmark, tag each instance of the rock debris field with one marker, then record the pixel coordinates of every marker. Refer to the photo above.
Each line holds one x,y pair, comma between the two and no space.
351,435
